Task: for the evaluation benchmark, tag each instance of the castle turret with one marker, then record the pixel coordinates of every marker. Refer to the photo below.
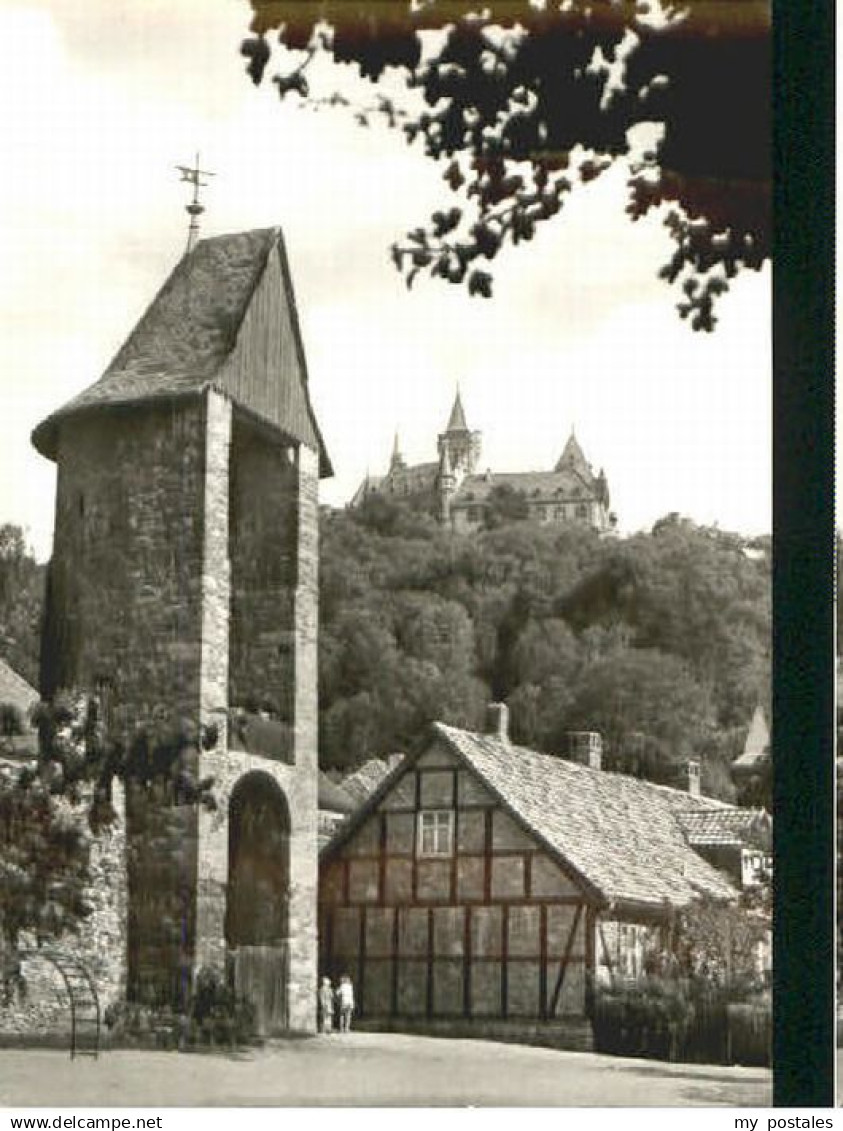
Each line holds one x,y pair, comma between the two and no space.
573,459
461,444
396,460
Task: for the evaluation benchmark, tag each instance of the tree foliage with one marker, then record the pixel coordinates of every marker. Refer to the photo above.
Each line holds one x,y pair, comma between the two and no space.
659,641
51,808
44,858
21,603
521,102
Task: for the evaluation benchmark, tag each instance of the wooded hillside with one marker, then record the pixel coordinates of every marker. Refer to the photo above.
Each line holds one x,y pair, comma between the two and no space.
661,641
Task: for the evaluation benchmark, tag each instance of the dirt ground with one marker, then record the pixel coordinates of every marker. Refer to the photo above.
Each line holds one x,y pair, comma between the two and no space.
373,1070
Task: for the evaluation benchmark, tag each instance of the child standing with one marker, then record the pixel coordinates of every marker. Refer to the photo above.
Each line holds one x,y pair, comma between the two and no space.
326,1006
345,1002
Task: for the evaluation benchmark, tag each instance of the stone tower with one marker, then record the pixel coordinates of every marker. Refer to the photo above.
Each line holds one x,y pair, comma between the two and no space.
461,445
184,576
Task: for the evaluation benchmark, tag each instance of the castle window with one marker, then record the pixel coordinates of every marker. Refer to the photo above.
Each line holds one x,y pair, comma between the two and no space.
559,512
436,832
473,514
582,511
541,512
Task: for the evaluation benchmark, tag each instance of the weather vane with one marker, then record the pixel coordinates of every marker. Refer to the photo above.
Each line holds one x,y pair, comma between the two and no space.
194,209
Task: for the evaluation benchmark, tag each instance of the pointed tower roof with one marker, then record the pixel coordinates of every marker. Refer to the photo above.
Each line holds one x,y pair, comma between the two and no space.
572,457
225,319
396,459
756,750
456,421
758,736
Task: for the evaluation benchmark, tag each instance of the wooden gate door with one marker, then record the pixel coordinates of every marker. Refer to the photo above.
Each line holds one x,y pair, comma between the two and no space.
257,919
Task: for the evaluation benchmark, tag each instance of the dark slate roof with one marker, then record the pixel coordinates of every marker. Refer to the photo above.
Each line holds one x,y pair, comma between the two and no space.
333,797
538,486
188,332
727,826
15,690
456,421
573,457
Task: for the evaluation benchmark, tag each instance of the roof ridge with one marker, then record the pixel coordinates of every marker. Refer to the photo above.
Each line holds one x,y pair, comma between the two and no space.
578,767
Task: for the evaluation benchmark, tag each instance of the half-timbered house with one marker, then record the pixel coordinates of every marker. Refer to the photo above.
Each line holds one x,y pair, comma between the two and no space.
486,886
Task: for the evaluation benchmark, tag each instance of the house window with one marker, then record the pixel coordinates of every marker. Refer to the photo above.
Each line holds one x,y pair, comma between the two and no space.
436,832
630,950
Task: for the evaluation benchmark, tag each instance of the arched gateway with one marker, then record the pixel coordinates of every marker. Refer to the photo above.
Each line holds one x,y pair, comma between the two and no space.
257,897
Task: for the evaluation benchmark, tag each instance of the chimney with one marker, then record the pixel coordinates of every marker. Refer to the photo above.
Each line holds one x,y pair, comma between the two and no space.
586,748
497,721
694,778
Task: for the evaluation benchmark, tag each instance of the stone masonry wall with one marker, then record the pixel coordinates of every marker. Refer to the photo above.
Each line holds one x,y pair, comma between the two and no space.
125,578
126,606
216,564
298,782
164,517
305,863
99,943
262,547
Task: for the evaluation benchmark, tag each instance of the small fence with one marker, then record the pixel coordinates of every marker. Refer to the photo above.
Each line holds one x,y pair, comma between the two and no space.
702,1030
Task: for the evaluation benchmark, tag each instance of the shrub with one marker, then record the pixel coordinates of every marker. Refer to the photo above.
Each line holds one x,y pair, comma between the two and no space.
216,1015
683,1019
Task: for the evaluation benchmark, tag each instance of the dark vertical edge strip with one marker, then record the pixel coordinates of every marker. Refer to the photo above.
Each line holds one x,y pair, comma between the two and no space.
803,85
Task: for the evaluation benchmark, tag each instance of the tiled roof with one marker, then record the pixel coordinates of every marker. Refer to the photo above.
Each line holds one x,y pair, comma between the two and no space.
620,834
728,826
363,782
15,690
188,333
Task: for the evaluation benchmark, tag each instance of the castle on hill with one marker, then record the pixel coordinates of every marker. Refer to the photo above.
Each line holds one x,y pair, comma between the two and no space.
459,495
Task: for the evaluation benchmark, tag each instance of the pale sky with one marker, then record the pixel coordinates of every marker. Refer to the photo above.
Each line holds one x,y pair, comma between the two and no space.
99,101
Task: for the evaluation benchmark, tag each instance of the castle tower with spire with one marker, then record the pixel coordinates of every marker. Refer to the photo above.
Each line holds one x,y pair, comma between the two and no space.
461,445
184,579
